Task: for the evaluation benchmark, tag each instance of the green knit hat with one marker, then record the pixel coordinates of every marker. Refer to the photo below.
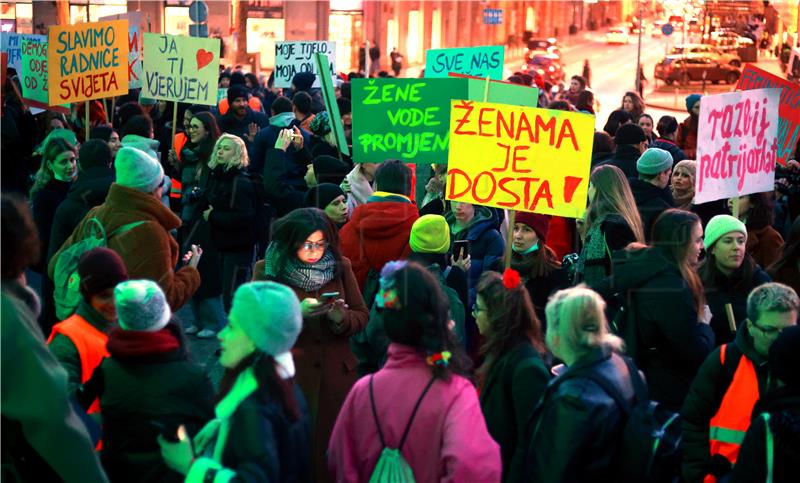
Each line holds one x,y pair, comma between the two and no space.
430,234
721,225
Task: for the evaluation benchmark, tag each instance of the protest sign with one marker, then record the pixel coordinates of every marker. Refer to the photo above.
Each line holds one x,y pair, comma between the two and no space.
3,67
737,144
33,72
134,46
406,119
500,92
788,109
11,43
182,69
519,158
475,61
329,95
294,57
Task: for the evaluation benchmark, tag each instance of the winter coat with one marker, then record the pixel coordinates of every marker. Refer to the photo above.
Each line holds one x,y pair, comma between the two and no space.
192,157
686,138
788,274
709,210
672,344
378,232
233,199
721,290
265,141
283,180
147,250
600,157
147,380
625,157
262,444
574,431
326,369
618,235
44,204
43,439
447,441
88,191
704,398
484,242
672,148
764,245
231,124
513,387
651,201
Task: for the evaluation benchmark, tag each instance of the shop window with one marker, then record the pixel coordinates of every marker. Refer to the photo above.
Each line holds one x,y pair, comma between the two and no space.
415,36
436,29
345,28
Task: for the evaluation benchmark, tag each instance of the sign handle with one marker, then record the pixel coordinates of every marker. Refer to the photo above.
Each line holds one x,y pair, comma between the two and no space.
731,319
735,207
174,123
486,90
509,238
86,106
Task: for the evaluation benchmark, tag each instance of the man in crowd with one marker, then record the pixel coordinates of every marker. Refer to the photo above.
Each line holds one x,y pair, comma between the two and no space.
631,143
650,188
241,120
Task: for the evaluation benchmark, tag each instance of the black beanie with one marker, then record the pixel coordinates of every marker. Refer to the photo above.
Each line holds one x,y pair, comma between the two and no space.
328,169
321,195
234,92
304,80
94,152
237,79
629,134
100,269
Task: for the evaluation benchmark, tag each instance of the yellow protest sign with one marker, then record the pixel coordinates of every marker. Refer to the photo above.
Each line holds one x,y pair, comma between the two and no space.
519,158
87,61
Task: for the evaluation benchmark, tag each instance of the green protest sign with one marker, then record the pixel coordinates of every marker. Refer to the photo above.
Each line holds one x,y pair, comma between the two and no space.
33,73
406,119
500,92
323,65
475,61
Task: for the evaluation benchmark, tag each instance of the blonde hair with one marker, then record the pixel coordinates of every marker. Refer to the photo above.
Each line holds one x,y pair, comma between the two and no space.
577,314
613,195
240,159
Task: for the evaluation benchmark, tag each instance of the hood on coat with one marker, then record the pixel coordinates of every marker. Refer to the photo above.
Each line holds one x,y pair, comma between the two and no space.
383,220
483,220
744,341
134,203
282,120
92,186
633,269
644,192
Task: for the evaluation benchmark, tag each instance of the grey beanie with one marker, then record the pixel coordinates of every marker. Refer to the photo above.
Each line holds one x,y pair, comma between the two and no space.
138,170
269,313
141,305
654,161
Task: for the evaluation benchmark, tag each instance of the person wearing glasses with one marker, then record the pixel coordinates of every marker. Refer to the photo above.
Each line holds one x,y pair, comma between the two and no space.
717,411
304,254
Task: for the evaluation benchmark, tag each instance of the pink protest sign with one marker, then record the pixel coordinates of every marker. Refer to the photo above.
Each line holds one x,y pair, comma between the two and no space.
737,144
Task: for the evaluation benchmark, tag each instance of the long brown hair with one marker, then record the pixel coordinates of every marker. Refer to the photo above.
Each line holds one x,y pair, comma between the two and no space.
613,195
672,232
45,174
270,384
511,320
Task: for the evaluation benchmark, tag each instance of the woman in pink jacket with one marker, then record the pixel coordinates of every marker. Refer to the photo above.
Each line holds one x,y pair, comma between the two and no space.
446,438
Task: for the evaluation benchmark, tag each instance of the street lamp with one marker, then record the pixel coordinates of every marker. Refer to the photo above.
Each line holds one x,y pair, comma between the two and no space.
639,52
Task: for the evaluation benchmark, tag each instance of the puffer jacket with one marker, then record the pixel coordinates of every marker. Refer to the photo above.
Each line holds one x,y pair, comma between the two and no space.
484,242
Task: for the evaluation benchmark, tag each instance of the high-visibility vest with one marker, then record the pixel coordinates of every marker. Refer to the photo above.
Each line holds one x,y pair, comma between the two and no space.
729,425
178,143
90,343
254,103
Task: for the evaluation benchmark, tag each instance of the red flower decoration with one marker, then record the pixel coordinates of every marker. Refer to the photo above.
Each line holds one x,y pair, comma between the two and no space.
511,279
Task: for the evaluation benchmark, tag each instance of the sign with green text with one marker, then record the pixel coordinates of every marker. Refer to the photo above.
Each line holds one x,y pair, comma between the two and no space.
475,61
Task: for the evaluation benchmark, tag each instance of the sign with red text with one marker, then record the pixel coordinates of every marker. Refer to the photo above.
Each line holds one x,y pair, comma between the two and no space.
134,46
519,158
737,144
788,109
87,61
181,69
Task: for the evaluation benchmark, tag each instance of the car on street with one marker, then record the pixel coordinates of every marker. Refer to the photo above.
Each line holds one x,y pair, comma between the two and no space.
728,40
548,66
542,46
676,68
706,51
617,35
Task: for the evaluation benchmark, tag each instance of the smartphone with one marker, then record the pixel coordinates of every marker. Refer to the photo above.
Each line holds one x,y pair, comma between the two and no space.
460,249
329,297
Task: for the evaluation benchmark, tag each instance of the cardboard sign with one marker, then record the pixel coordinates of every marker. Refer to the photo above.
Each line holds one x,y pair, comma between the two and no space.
12,44
500,92
33,73
294,57
788,110
474,61
737,144
329,95
134,46
519,158
181,69
406,119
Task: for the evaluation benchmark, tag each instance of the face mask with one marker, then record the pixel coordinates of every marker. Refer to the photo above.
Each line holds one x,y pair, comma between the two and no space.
530,250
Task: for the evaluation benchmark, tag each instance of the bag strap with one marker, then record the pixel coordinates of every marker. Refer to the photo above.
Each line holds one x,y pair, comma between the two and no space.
375,412
770,447
411,419
93,226
126,227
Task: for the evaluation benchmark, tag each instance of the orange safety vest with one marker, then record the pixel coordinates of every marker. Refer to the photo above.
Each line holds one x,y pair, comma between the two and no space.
178,143
254,103
91,345
727,428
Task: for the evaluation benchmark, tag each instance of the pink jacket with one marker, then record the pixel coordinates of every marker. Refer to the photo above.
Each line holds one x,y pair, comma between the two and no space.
448,440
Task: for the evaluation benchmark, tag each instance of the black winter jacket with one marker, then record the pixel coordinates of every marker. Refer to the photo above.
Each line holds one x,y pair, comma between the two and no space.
624,158
651,201
44,204
233,198
669,146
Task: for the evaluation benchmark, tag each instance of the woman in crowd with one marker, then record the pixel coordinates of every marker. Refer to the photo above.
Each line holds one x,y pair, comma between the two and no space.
786,269
194,156
683,182
477,225
686,138
667,128
576,427
633,104
728,275
359,184
261,429
757,212
329,198
304,254
108,135
646,123
612,222
421,402
513,376
585,102
602,148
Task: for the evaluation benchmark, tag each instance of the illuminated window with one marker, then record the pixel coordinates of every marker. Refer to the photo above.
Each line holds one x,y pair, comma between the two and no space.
16,17
436,29
392,36
83,11
345,28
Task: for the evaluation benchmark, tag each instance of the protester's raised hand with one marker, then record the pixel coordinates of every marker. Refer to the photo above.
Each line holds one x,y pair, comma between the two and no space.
462,263
284,139
252,130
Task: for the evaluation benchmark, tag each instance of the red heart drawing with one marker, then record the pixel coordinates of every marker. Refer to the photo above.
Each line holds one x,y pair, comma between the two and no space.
204,58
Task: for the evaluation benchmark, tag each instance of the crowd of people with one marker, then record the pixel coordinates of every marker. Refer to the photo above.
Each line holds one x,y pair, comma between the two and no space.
370,329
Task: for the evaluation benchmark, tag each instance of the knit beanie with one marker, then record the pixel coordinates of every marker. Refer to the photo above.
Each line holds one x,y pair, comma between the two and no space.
689,165
322,195
654,161
321,124
269,313
237,79
235,92
137,170
719,226
538,223
784,358
328,169
304,80
691,100
141,306
94,152
629,134
430,234
100,269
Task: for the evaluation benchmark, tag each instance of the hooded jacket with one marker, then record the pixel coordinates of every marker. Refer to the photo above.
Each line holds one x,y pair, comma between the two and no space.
484,241
624,158
651,202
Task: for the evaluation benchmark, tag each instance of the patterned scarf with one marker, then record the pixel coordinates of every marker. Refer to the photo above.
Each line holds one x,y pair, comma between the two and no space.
293,272
591,264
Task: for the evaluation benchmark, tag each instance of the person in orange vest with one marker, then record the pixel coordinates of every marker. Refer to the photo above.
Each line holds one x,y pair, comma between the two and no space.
717,411
238,79
79,341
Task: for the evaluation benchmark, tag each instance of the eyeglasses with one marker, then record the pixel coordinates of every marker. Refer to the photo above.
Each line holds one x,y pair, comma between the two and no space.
312,246
768,331
476,309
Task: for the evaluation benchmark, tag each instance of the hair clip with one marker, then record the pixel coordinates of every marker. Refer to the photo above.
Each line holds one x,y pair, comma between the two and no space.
511,279
440,359
388,299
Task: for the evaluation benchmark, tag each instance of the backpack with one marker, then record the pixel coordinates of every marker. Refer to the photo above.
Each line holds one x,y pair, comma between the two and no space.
66,279
391,466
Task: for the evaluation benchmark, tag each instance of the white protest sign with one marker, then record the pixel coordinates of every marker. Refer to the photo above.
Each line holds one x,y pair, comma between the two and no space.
298,56
737,144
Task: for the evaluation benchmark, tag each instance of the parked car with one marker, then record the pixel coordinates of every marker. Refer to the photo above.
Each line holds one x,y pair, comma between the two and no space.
617,35
546,65
676,68
707,51
542,46
728,41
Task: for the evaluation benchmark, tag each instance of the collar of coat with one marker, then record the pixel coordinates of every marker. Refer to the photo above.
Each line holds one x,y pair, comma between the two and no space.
129,200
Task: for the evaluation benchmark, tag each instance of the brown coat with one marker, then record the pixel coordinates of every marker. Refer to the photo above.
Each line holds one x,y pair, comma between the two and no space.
148,250
687,137
326,368
764,245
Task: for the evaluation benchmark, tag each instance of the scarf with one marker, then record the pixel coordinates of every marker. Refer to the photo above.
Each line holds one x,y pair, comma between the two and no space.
683,198
308,277
591,263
